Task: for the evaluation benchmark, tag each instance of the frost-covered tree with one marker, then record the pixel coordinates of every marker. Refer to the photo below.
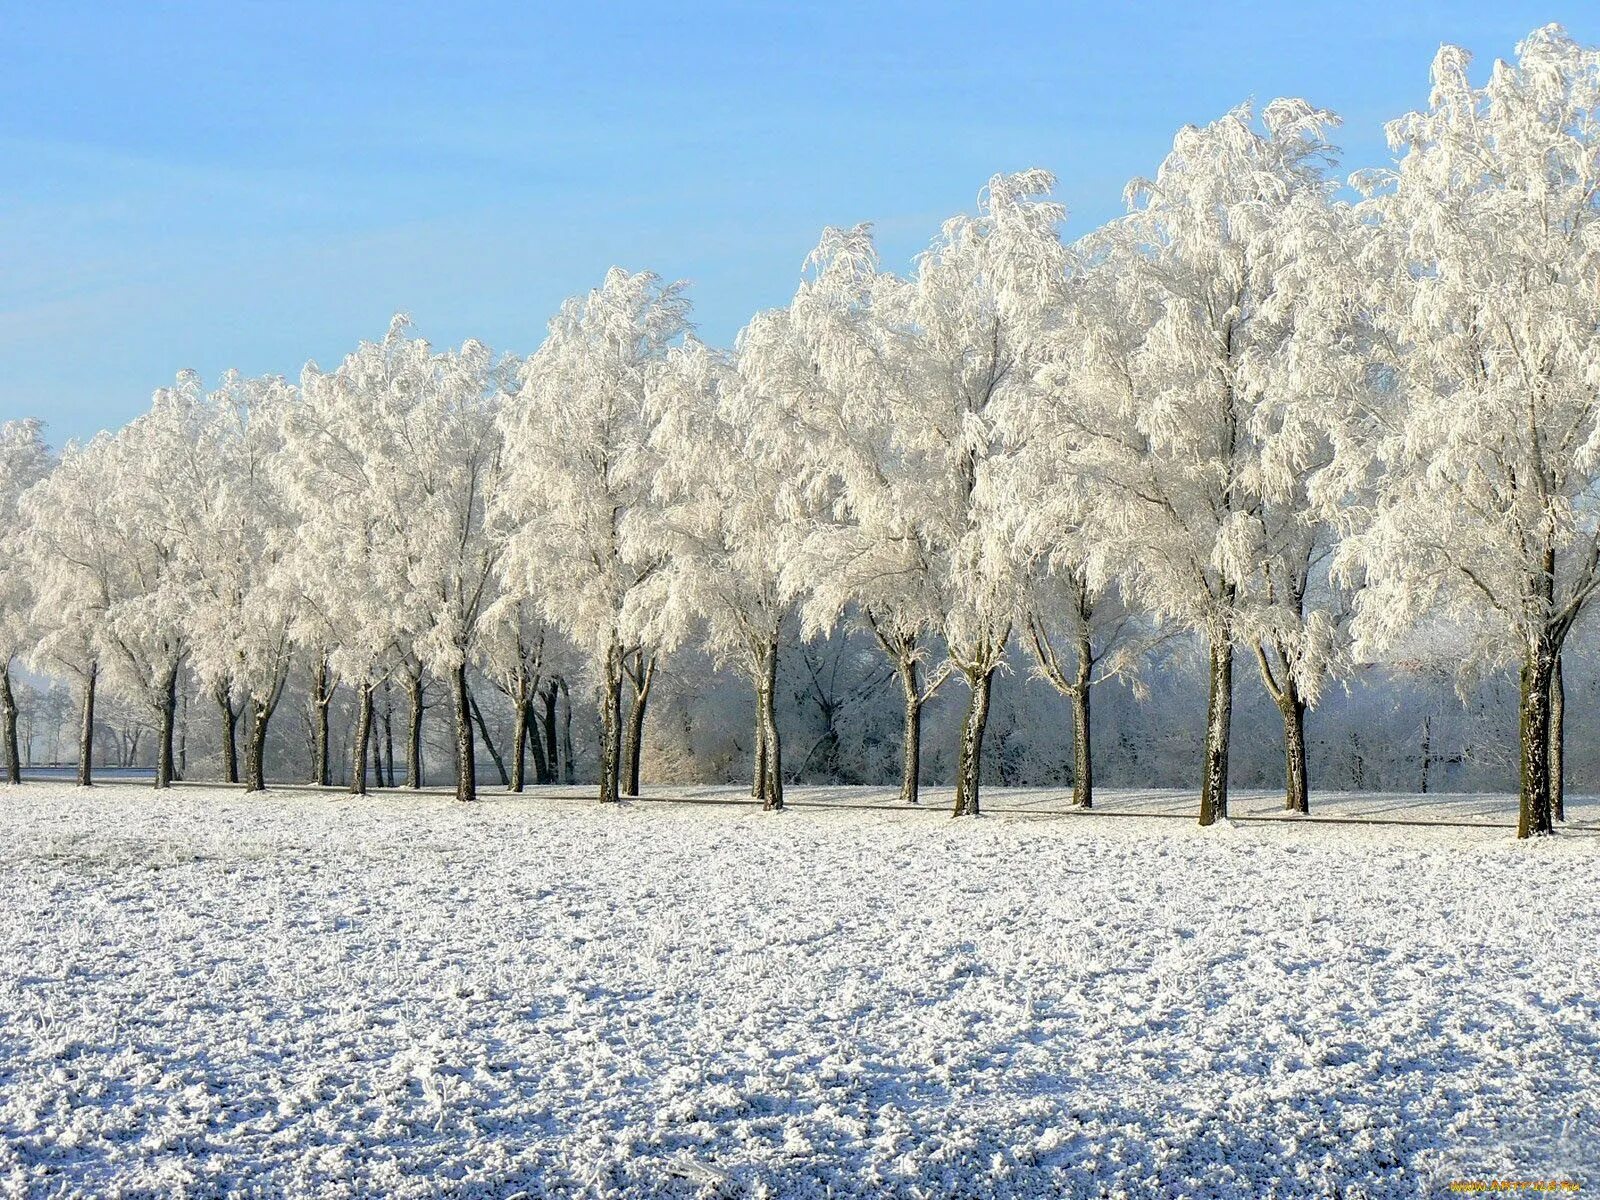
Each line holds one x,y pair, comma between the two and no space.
24,461
976,308
1075,620
234,532
1176,356
61,520
586,537
1313,404
1489,507
143,632
394,456
1081,633
352,588
439,506
146,629
112,591
511,651
915,382
728,486
837,377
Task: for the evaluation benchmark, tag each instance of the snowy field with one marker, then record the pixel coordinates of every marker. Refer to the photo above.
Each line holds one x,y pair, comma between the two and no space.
205,994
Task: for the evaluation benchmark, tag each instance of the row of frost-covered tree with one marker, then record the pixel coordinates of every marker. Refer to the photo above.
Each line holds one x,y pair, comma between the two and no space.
1303,420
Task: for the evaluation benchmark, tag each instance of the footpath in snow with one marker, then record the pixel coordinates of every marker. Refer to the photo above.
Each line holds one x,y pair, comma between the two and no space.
208,994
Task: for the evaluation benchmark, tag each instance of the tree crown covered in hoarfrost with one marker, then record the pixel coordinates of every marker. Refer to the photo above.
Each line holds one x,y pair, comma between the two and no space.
1483,285
585,537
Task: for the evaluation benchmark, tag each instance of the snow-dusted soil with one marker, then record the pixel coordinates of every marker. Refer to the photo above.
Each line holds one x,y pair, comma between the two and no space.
1245,804
206,994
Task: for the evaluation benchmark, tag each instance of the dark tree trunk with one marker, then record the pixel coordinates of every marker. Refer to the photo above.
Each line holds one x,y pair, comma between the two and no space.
1558,747
569,768
541,765
377,746
611,727
969,762
1082,752
519,752
1083,680
165,766
363,734
1219,720
1296,772
771,743
182,732
256,762
1533,807
466,753
230,742
1427,750
911,754
642,675
322,767
910,732
414,695
550,733
758,766
86,729
388,735
8,707
488,742
321,701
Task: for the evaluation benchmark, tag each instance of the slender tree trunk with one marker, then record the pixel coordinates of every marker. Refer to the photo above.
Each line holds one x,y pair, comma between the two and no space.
758,768
911,753
960,807
8,707
969,762
165,766
910,732
530,724
644,672
466,753
1558,740
323,766
1082,754
321,701
256,761
388,735
1219,720
182,732
611,727
772,745
414,731
1296,771
551,765
488,742
229,734
86,729
519,753
1533,808
1427,750
569,768
363,735
1082,728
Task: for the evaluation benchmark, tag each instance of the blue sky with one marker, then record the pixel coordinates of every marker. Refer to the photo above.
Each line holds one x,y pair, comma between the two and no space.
255,184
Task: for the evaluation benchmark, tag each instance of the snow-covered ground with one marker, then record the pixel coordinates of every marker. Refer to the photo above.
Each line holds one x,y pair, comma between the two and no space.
204,994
